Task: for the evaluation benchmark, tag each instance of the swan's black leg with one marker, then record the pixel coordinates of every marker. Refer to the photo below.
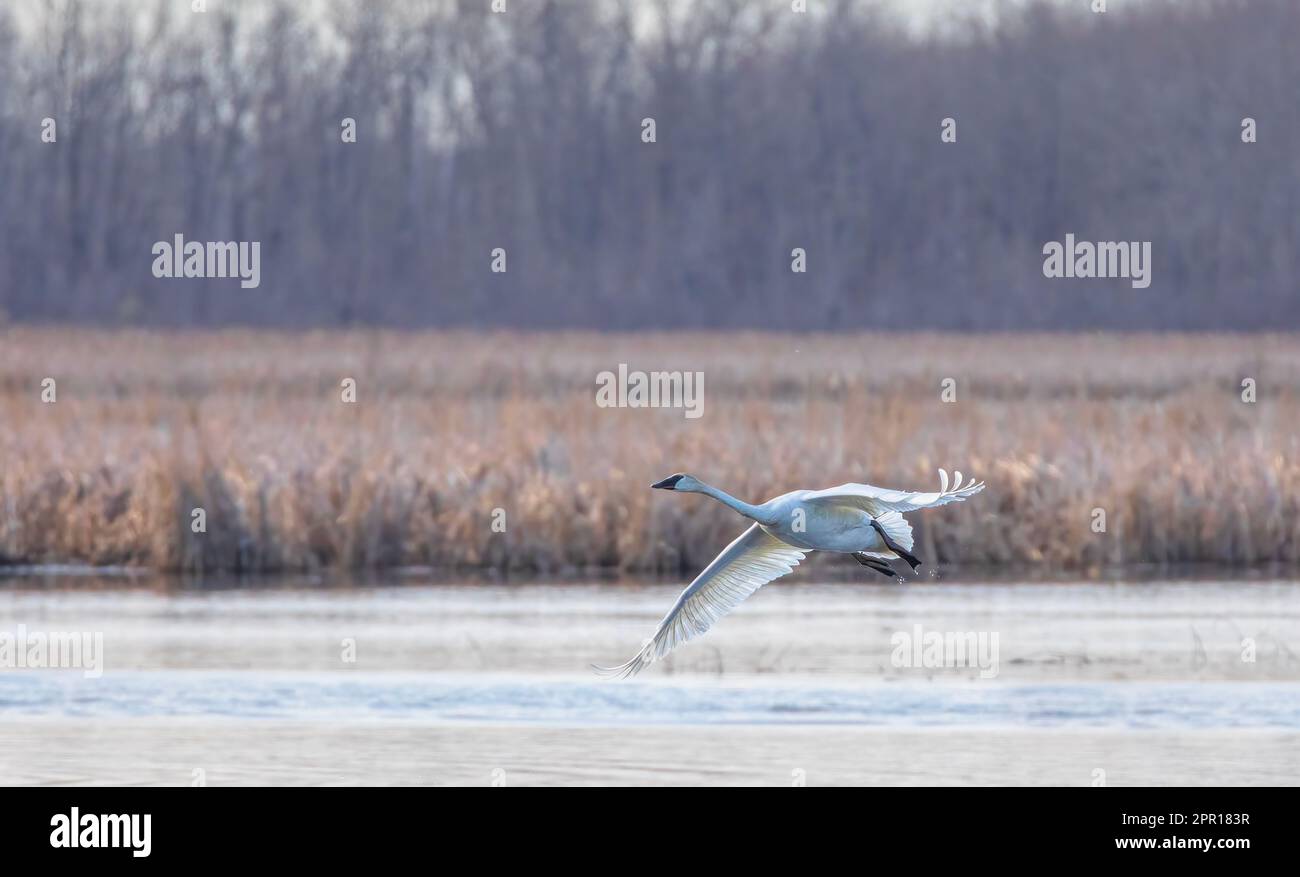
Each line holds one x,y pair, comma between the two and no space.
873,563
895,547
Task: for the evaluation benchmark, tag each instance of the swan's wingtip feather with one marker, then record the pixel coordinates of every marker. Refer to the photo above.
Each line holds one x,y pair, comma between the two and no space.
622,671
966,488
638,662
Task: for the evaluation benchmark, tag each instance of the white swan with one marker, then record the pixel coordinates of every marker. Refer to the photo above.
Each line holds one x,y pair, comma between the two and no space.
856,519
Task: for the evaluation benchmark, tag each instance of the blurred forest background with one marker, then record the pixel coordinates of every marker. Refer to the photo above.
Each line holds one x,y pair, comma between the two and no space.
775,130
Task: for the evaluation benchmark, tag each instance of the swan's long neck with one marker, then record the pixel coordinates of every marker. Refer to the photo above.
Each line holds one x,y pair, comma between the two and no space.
753,512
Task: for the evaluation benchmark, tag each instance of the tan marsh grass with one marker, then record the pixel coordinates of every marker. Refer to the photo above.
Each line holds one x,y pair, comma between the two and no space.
448,426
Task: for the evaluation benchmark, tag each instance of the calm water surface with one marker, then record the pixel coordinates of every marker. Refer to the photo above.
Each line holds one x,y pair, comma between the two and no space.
1111,662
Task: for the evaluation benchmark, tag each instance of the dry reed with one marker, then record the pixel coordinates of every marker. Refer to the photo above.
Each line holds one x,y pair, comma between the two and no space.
450,426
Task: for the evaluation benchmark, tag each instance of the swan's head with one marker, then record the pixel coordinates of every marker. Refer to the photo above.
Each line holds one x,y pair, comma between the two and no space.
680,481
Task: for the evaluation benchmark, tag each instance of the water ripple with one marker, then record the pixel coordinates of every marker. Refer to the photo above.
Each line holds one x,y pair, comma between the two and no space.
451,698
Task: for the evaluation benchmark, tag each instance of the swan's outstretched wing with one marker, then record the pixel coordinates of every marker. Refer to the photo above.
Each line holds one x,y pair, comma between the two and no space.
744,566
877,500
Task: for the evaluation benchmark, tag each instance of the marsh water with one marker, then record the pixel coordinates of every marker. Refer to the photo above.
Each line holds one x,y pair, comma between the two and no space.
402,682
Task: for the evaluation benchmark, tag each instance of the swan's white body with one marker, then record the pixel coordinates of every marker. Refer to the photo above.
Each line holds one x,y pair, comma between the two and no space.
785,529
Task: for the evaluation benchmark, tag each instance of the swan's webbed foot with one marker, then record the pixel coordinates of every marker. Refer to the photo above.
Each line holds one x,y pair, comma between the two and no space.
893,546
875,563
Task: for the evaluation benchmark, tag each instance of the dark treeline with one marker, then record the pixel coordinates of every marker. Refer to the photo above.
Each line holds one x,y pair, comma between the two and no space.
774,130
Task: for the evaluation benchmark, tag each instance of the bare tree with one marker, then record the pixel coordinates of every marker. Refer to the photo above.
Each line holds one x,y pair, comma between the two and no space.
523,131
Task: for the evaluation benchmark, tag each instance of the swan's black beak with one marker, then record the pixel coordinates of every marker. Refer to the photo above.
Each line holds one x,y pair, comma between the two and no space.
668,483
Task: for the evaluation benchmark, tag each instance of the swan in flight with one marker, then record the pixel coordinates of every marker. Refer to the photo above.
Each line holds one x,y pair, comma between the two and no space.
858,519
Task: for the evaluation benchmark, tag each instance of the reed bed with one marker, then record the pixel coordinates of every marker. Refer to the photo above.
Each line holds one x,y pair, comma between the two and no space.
450,426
